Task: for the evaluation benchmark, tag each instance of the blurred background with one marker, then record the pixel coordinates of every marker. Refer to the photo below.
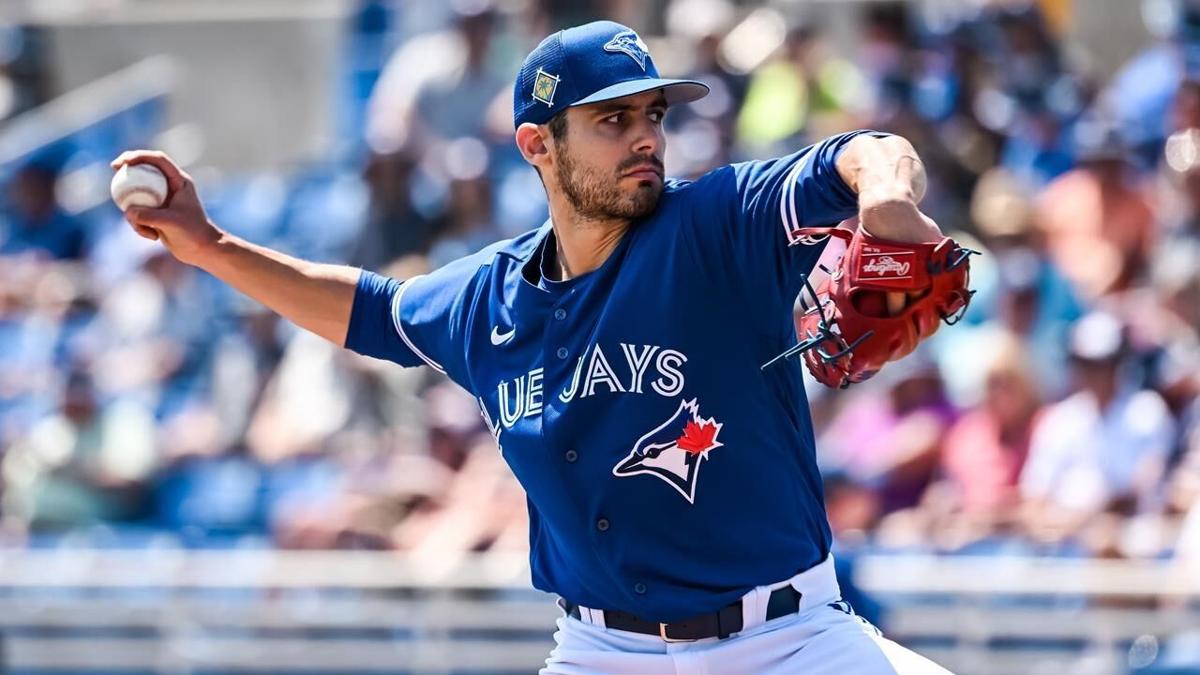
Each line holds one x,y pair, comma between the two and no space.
189,484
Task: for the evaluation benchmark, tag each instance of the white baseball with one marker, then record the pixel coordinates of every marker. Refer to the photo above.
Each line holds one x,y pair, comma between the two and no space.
138,185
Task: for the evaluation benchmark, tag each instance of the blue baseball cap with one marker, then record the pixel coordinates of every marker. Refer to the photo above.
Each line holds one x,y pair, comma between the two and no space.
595,62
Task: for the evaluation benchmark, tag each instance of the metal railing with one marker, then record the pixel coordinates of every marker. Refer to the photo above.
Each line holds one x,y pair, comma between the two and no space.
268,611
1027,616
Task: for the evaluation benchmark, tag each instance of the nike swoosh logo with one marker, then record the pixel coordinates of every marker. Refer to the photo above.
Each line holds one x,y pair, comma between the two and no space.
499,338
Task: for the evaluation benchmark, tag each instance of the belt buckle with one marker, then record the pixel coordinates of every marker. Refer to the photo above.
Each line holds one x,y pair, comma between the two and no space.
662,633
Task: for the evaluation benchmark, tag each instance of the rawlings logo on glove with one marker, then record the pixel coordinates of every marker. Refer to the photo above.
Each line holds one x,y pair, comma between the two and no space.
885,265
848,334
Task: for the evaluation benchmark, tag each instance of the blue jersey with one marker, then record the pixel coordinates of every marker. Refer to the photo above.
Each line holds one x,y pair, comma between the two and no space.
666,473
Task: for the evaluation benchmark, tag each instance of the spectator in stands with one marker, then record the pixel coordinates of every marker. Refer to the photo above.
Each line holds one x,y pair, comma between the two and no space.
1097,220
1101,450
431,123
36,224
1020,291
394,227
1175,270
1156,92
706,128
305,402
436,87
1036,149
888,59
983,453
1025,50
887,436
85,465
804,91
482,509
939,118
37,301
150,339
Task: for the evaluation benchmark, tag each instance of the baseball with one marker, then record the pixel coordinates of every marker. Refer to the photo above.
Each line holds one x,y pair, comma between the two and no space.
138,185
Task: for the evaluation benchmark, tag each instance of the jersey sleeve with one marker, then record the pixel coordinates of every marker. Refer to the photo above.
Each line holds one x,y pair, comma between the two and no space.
746,233
417,321
371,332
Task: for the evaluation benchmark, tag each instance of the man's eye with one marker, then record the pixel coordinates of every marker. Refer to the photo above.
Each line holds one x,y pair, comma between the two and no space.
615,118
657,115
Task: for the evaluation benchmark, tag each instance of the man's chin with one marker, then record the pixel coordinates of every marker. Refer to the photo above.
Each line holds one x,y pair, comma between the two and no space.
644,205
647,186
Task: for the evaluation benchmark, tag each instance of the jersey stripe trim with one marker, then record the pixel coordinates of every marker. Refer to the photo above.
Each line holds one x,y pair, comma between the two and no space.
400,326
787,202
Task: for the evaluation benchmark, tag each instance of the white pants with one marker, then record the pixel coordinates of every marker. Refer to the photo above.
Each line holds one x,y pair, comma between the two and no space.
823,637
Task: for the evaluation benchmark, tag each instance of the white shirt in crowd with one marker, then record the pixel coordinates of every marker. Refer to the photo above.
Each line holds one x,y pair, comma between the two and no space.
1081,457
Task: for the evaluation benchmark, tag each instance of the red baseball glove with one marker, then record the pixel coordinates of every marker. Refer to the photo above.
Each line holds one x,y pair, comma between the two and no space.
847,334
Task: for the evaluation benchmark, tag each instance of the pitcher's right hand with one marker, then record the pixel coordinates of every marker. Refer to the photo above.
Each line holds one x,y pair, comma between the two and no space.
180,223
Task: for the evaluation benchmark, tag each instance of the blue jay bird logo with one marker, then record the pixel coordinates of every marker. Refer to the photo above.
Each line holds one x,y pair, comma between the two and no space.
628,42
674,450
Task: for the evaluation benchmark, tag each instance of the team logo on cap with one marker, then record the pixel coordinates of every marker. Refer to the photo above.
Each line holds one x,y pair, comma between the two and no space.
544,87
628,42
674,450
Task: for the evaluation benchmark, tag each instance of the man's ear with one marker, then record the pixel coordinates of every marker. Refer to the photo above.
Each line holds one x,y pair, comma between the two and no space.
531,141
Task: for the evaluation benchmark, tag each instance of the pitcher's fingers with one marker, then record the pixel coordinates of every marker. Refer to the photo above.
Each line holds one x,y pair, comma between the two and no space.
177,178
142,216
898,300
146,232
139,155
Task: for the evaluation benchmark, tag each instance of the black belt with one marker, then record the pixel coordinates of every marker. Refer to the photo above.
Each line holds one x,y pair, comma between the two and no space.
721,624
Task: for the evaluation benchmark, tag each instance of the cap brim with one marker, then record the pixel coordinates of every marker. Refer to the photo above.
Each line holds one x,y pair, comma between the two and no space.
676,91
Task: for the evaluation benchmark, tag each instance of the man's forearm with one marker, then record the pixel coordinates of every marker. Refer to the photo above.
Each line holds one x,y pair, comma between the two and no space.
315,296
890,180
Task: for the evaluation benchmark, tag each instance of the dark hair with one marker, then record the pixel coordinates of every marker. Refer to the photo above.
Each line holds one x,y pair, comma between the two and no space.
558,125
558,130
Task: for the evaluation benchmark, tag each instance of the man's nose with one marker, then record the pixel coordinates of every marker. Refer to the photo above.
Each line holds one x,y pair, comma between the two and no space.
648,138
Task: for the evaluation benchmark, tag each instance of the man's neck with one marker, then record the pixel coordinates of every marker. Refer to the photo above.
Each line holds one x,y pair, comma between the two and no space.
582,244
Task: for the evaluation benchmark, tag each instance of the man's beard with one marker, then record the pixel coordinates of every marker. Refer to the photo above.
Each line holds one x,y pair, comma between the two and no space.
595,196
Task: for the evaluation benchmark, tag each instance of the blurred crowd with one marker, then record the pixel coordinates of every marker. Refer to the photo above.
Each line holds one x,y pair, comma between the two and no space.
143,402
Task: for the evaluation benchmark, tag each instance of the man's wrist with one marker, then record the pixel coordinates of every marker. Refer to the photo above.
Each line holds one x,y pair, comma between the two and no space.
898,220
882,169
889,193
213,248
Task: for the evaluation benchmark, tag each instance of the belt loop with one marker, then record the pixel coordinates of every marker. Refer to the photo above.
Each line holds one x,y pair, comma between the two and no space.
755,610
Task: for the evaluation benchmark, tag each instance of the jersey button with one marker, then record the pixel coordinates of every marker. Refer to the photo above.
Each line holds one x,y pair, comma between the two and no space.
602,524
562,352
571,455
560,314
639,588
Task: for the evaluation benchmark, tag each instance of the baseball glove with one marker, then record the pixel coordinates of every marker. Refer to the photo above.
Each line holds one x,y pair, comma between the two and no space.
847,333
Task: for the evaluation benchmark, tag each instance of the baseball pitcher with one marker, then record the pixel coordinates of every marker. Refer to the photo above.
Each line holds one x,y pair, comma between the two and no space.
627,358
